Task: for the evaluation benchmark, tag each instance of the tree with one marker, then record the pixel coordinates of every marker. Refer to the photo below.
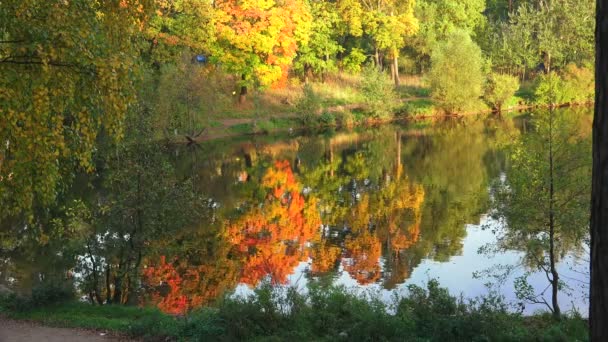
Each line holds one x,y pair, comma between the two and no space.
544,200
257,40
388,23
440,18
318,56
456,73
500,88
177,25
598,310
67,73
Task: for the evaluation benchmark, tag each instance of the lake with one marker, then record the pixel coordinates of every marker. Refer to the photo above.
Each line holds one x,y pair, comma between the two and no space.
375,209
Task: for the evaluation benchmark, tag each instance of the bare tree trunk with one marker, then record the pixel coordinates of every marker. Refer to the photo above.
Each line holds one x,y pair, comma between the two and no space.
395,67
243,93
598,309
377,58
554,273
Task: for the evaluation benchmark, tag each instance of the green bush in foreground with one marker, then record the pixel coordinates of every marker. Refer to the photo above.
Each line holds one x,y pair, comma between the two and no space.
323,314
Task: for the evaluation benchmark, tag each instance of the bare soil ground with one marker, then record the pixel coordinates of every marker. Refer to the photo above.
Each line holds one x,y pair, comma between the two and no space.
21,331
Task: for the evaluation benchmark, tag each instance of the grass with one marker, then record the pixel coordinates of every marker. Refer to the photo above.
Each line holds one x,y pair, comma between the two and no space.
325,313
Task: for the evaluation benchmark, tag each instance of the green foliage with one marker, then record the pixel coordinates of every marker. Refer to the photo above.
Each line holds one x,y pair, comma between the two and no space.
456,75
47,293
499,89
318,56
354,60
345,119
439,19
327,119
579,83
550,89
66,76
325,313
379,94
553,33
309,106
419,107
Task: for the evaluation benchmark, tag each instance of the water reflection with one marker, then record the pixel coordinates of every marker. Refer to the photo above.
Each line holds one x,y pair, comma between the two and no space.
179,226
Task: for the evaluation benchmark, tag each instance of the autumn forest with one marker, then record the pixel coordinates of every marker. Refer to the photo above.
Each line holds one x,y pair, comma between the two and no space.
308,170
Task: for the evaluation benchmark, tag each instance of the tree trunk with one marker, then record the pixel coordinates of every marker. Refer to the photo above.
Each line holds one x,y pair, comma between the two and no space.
554,274
598,309
243,93
395,68
377,58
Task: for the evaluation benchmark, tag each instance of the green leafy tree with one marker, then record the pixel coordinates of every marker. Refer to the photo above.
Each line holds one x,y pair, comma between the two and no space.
544,200
67,73
500,88
456,77
319,55
438,19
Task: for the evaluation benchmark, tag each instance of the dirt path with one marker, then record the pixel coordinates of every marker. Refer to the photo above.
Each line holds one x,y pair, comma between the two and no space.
19,331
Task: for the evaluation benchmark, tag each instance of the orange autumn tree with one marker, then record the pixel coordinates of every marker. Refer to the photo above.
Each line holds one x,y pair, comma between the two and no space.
270,238
258,39
199,273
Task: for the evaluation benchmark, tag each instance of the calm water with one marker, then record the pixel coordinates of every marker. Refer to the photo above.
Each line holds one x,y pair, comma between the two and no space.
375,209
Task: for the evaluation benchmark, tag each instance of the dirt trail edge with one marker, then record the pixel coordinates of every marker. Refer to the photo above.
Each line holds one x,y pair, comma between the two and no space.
23,331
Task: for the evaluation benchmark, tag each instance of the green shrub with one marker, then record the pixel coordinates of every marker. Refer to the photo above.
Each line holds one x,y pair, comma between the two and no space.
379,94
456,77
51,293
309,106
550,89
499,89
13,302
327,119
419,107
579,83
353,61
156,325
345,119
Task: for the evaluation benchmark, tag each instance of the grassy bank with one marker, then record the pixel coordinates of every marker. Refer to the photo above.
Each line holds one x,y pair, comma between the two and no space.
323,314
341,100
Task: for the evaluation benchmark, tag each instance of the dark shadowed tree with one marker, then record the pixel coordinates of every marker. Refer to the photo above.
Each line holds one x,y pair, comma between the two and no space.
598,312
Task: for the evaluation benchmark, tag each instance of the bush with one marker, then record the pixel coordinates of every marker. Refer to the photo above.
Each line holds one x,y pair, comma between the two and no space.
499,89
309,106
346,119
51,293
379,94
579,83
327,119
550,89
456,77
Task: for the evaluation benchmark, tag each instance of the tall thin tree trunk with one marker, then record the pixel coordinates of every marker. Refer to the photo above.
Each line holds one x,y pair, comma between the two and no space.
396,68
598,309
554,273
243,93
377,58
